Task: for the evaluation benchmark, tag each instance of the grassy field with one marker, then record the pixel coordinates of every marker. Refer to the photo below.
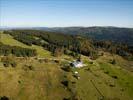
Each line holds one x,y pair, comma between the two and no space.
97,81
42,82
8,40
32,79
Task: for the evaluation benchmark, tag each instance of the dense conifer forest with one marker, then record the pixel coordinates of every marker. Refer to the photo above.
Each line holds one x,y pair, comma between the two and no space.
64,43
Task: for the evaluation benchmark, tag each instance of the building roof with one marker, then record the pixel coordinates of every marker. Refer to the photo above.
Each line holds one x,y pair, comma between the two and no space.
77,64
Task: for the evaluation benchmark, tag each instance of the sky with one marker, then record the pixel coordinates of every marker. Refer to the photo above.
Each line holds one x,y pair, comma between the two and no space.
66,13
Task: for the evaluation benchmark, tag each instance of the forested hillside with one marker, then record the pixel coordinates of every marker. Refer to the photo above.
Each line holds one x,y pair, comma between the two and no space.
77,44
121,35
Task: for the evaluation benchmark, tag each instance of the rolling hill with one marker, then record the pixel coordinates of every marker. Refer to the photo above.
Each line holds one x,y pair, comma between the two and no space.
124,35
115,34
43,77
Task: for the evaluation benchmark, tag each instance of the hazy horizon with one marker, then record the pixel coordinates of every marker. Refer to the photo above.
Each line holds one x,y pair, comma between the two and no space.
62,13
4,27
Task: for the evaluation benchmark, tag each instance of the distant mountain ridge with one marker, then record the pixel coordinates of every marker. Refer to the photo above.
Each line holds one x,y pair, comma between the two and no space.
115,34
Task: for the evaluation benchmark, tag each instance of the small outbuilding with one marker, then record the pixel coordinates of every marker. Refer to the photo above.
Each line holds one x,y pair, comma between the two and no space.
76,75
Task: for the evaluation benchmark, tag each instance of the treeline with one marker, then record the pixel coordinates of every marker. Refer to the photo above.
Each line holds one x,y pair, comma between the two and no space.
116,34
59,43
6,50
115,48
24,37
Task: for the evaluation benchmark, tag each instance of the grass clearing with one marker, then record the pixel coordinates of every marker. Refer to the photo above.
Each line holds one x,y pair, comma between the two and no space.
42,83
109,87
124,77
8,40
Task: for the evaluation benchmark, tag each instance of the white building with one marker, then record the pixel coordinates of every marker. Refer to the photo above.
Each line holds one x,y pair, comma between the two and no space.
77,64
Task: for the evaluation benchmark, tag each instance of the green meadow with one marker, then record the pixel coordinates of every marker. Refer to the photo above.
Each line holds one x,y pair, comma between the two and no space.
33,79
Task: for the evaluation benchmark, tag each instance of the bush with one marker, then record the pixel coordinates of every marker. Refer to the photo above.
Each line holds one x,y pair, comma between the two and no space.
28,67
31,67
7,61
88,69
66,68
6,50
66,99
57,61
65,83
111,85
115,77
91,62
106,72
19,82
13,64
4,98
113,61
6,64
